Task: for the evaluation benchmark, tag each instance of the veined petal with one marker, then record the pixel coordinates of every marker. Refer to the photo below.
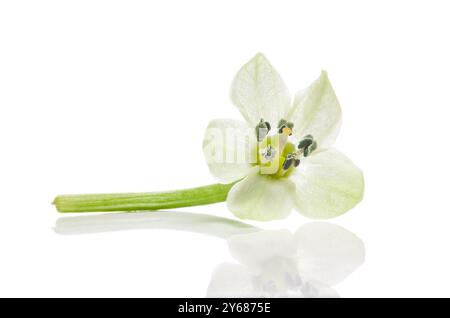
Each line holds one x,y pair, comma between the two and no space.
261,197
316,112
229,147
328,184
328,253
259,92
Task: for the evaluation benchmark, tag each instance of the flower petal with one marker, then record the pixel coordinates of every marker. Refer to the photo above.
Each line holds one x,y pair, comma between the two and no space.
258,248
261,197
239,281
328,253
259,92
316,112
229,147
231,280
327,185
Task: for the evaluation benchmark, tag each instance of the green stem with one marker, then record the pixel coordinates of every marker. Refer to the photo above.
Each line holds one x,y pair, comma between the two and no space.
142,201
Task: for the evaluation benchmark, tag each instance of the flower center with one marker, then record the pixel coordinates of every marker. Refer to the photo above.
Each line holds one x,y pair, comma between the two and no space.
277,155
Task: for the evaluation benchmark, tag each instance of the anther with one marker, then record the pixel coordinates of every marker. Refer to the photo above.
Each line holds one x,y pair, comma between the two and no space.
287,163
308,150
290,160
305,142
262,129
282,122
307,145
285,127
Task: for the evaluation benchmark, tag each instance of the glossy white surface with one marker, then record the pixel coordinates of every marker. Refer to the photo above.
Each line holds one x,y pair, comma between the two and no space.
109,96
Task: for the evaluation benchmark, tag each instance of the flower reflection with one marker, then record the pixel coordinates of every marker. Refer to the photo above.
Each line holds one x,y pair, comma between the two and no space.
178,221
281,264
270,263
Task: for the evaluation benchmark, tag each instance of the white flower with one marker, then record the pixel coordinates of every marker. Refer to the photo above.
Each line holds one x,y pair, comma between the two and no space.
281,264
281,155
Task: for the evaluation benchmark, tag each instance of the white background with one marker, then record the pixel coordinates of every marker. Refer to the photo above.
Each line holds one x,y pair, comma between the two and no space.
114,96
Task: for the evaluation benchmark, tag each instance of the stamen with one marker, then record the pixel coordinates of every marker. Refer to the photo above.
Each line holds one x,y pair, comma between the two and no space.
287,163
281,123
262,129
306,142
307,145
271,147
306,152
291,159
286,131
285,127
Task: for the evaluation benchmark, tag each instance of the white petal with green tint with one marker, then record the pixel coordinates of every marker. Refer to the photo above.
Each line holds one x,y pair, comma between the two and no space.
258,249
230,281
259,92
239,281
228,147
327,185
329,253
316,112
262,198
